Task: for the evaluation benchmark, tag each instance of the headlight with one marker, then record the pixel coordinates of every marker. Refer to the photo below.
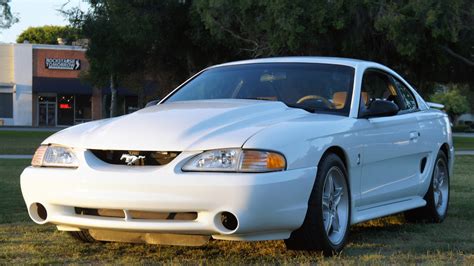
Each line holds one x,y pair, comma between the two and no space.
236,160
54,156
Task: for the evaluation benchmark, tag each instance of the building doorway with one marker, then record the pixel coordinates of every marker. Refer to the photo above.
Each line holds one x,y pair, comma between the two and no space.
65,110
47,111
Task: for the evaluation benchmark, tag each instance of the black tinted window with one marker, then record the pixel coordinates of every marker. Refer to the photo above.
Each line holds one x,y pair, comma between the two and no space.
319,87
6,105
377,85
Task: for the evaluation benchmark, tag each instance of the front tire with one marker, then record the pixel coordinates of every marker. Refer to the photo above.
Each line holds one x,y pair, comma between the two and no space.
437,197
327,220
82,236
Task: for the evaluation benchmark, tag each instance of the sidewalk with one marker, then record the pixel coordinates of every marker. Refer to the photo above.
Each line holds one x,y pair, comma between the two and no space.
24,128
15,156
464,135
468,152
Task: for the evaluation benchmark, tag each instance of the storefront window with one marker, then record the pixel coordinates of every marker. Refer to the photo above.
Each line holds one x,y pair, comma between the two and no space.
6,105
47,111
65,109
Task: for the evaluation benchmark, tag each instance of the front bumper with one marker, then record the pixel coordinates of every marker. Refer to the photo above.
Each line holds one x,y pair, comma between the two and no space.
267,205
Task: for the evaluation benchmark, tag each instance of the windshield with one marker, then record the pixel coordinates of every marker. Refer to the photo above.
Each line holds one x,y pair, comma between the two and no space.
314,87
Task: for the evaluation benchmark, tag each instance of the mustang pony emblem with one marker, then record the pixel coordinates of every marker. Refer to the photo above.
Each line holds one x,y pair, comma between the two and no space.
131,159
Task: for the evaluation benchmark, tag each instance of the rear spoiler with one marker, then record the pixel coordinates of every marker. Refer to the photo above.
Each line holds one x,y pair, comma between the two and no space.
435,105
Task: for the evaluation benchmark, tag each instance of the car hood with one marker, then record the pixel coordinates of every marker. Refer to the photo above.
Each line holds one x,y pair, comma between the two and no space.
179,126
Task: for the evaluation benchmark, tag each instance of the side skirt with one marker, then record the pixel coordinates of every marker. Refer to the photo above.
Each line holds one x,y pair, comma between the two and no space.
366,213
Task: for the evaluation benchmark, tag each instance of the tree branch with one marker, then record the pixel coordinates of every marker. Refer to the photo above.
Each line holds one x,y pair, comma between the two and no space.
239,37
457,56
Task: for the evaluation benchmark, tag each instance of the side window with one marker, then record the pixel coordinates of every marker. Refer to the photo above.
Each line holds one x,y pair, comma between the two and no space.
406,96
376,86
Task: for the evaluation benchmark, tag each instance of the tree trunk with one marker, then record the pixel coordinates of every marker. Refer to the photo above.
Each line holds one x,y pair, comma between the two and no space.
113,97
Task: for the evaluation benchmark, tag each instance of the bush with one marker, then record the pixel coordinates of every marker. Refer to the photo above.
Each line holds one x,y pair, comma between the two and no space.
461,128
454,101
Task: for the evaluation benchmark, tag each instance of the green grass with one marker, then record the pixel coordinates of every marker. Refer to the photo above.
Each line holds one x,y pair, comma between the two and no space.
384,241
463,143
21,142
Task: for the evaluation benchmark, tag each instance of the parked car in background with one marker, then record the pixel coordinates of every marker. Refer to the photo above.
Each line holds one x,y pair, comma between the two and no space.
294,148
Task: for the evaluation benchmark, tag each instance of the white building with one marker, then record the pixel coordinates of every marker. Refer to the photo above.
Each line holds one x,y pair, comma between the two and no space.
16,78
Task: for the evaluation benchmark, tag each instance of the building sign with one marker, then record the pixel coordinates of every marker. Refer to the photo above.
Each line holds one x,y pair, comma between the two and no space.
62,63
65,106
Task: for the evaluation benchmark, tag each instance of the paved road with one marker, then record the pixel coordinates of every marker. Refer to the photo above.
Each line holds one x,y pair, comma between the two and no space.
464,152
43,129
466,135
15,156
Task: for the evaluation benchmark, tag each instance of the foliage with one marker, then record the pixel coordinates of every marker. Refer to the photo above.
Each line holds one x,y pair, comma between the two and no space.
461,128
7,19
132,42
48,34
455,104
427,40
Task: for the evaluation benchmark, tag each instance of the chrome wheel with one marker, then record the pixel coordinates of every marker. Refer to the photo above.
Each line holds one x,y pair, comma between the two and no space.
440,186
335,205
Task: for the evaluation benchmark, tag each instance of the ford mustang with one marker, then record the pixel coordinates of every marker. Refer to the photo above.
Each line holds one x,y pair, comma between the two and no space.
293,148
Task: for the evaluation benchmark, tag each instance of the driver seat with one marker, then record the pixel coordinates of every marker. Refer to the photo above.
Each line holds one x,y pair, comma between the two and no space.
339,99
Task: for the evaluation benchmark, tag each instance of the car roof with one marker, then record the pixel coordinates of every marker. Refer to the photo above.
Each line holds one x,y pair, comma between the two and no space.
304,59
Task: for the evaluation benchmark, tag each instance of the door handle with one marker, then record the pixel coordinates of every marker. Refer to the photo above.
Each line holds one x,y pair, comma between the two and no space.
414,135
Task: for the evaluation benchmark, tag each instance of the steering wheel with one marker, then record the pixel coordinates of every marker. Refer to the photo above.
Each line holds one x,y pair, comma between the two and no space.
328,104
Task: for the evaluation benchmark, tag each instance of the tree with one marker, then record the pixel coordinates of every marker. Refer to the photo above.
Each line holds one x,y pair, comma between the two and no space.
138,41
428,40
7,19
455,104
48,34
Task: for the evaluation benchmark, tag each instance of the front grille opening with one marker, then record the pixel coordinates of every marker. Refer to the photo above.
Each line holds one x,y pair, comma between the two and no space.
183,216
137,215
142,158
100,212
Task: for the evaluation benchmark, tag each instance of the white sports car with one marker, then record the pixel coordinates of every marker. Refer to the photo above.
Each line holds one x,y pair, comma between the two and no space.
295,148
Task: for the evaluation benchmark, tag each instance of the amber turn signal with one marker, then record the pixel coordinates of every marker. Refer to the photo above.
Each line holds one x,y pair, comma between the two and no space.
262,161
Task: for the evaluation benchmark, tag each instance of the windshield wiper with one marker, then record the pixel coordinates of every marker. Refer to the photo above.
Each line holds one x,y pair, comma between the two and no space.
260,98
306,108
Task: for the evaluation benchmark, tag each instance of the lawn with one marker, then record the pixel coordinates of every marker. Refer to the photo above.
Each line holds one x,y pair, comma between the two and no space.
463,143
21,142
384,241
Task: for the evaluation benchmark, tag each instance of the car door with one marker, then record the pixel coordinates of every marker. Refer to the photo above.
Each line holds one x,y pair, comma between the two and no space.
390,159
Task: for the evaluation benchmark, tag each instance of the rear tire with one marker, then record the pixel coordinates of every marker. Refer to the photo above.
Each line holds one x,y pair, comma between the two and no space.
437,196
327,220
82,236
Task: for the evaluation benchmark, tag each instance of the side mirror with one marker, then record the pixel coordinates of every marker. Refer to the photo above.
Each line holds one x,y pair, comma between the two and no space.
380,108
151,103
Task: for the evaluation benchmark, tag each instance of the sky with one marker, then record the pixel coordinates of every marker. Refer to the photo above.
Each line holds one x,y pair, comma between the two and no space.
36,13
